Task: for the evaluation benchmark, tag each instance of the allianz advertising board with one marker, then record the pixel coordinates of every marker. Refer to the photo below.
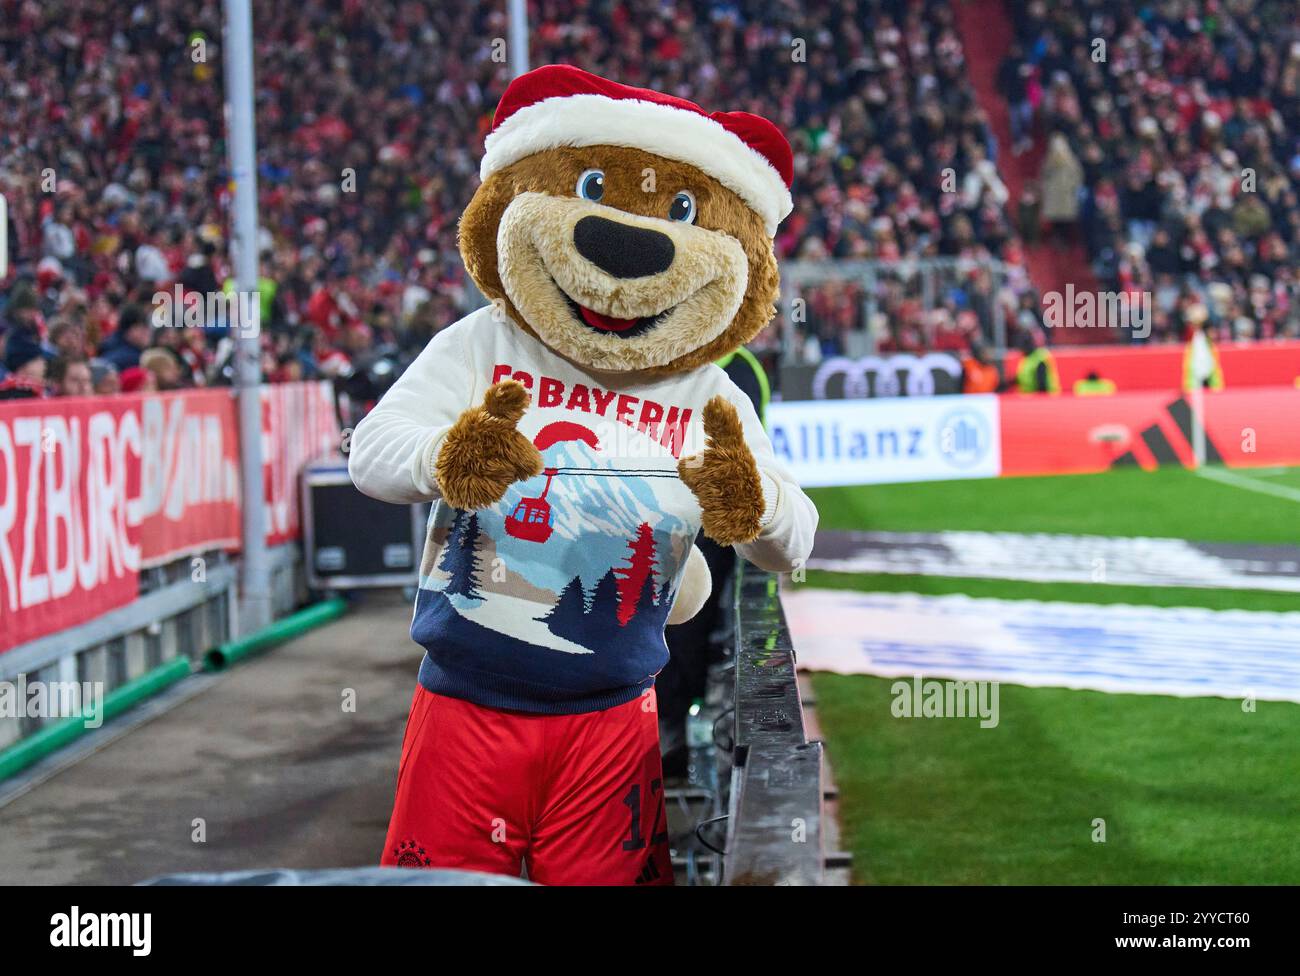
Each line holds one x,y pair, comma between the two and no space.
865,442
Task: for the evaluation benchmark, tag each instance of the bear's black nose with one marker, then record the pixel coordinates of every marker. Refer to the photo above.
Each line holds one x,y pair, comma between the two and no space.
621,249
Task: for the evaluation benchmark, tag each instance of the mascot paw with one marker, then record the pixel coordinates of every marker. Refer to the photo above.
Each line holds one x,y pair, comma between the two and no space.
725,478
484,454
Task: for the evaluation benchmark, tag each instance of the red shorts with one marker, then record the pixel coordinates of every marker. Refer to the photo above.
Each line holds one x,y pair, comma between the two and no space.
577,798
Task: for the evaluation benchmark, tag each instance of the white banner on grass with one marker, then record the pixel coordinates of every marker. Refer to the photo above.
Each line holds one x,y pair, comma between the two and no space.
1048,558
862,442
1117,648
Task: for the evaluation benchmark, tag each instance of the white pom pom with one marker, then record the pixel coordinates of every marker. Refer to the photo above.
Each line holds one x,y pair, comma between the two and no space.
695,588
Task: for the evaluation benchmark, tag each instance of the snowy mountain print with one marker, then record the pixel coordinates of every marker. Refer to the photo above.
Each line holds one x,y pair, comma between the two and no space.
579,558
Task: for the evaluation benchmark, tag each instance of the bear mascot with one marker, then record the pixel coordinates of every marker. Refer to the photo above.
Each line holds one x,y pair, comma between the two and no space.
575,436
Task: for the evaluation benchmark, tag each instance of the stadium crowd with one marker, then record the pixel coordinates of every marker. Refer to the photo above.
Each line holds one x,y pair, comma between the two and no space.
1181,122
370,120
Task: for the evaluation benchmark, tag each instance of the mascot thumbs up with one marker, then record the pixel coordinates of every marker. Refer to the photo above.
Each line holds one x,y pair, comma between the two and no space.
575,437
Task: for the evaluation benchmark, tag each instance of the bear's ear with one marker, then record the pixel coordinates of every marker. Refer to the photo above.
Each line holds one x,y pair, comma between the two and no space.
477,233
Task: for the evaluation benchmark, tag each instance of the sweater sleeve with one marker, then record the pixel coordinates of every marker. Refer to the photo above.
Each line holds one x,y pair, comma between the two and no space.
789,517
394,446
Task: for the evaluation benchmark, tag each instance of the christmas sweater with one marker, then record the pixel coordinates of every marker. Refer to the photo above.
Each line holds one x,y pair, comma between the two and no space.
554,600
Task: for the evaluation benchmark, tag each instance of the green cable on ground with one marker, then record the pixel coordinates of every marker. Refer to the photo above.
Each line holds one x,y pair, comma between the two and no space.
51,738
282,630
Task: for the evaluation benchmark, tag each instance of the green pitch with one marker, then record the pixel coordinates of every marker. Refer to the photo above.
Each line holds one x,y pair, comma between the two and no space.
1191,790
1169,502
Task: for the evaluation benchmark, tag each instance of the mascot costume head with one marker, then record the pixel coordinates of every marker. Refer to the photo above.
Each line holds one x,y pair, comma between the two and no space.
627,230
574,433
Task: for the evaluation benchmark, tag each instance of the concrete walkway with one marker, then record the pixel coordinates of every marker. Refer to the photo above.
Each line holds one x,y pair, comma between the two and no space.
266,757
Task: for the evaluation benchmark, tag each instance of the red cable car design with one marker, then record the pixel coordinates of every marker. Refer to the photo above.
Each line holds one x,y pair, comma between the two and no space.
532,519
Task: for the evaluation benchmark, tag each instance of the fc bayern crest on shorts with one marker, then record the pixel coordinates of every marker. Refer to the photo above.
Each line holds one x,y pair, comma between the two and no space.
410,854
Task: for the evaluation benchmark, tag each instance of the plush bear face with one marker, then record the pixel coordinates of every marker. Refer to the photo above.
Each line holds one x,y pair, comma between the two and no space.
619,259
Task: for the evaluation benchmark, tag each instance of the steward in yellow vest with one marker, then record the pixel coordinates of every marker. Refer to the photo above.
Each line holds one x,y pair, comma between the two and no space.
1037,372
1094,385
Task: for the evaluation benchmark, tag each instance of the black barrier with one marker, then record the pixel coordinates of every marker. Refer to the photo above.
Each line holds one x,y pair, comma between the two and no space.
775,823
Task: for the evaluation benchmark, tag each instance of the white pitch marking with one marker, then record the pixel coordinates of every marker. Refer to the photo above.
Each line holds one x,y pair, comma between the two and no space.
1226,477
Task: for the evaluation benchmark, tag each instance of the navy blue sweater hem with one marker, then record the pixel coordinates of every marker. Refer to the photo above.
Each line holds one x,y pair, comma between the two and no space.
497,691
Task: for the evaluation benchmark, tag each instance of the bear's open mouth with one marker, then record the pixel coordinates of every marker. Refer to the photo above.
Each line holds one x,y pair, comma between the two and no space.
609,325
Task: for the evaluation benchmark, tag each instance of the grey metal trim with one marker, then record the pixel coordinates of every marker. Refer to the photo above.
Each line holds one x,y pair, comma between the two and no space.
360,582
777,834
283,556
149,608
776,785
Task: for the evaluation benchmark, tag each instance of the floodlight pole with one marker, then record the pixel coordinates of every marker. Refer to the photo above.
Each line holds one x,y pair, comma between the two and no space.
518,38
255,588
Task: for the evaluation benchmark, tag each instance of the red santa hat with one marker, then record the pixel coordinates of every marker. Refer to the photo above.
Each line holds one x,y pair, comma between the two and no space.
559,105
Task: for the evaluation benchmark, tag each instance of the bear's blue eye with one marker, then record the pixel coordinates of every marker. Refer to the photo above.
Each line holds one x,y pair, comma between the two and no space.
591,185
682,208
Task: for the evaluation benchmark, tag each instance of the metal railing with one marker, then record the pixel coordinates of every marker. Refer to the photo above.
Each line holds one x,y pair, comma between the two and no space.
876,287
775,823
175,615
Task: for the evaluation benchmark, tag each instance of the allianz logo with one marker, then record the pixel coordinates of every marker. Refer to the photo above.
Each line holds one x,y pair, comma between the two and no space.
961,438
